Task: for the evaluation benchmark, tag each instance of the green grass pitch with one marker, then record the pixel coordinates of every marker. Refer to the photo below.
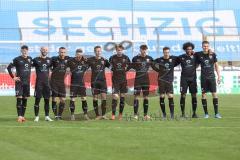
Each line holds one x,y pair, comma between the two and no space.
192,139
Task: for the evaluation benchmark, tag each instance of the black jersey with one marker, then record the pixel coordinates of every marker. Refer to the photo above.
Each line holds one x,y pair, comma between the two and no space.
119,66
188,64
141,65
98,68
77,68
207,62
42,66
59,67
165,68
23,68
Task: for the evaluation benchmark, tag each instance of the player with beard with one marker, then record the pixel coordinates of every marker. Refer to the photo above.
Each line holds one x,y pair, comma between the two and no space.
188,63
23,65
59,65
42,65
78,66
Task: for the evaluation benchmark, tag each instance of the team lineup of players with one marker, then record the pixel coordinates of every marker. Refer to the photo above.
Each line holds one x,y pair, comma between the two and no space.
119,63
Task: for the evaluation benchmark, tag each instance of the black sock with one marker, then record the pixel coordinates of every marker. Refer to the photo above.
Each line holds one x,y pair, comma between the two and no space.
36,106
103,106
19,106
54,108
24,106
182,105
136,104
145,106
194,104
72,107
84,106
46,107
61,108
114,106
95,106
171,107
121,105
215,104
204,104
162,105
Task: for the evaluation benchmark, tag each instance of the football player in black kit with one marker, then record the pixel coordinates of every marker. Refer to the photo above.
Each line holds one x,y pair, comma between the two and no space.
141,64
188,63
119,65
208,62
42,65
165,68
78,66
59,65
98,81
23,65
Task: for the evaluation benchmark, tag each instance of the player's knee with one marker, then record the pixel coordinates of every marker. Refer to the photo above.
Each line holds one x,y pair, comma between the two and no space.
145,97
115,96
170,95
83,98
183,95
204,96
214,95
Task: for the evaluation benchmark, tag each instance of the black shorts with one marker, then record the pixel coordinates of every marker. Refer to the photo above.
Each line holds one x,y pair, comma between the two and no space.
99,87
77,91
58,89
165,87
141,87
22,89
119,86
185,84
42,90
208,85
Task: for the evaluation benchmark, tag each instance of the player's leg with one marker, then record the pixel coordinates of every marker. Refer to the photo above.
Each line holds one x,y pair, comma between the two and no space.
193,91
54,90
103,92
95,93
137,91
26,94
145,90
204,86
183,91
19,92
123,91
171,104
62,98
46,96
213,90
84,106
104,104
38,94
115,96
73,95
161,90
114,104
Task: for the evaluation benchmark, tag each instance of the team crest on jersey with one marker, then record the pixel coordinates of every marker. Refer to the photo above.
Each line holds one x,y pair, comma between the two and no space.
188,61
124,60
148,60
170,60
48,61
29,60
